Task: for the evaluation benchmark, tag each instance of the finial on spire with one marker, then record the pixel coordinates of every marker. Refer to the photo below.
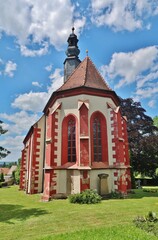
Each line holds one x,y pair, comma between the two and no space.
73,29
87,52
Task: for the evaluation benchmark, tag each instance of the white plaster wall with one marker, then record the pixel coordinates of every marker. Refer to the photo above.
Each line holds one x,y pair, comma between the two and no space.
94,179
61,181
70,106
76,182
41,125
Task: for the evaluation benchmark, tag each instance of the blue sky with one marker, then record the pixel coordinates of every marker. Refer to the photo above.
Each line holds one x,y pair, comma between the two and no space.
121,39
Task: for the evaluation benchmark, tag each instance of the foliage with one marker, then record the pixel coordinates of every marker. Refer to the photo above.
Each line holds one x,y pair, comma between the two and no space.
148,223
155,119
17,172
2,177
3,184
116,195
3,152
150,190
142,136
88,196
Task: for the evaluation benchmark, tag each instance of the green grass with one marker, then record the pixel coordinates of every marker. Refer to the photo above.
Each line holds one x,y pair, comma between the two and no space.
25,217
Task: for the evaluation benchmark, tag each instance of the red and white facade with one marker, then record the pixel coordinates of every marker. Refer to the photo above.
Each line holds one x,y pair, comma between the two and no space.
80,137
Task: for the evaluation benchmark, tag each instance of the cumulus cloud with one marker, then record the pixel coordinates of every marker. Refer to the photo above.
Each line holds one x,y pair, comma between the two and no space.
37,84
49,68
32,101
32,24
14,145
10,67
128,67
34,53
139,68
35,101
56,80
30,104
129,15
18,122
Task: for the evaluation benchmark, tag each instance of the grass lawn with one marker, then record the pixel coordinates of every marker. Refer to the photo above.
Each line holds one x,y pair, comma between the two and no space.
25,217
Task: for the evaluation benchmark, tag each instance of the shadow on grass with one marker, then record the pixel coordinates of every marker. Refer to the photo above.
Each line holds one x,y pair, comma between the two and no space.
9,212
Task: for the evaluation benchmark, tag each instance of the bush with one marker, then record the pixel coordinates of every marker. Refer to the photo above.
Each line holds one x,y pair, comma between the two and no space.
148,223
116,195
88,196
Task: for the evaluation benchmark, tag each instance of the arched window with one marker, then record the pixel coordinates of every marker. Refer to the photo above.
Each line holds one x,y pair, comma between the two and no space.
99,143
71,134
69,145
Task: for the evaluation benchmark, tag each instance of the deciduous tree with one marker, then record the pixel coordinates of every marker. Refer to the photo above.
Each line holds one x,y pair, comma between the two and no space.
155,119
3,152
142,136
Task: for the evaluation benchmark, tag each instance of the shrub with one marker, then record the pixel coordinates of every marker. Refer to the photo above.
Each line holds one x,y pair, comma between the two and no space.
148,223
150,190
88,196
116,195
4,184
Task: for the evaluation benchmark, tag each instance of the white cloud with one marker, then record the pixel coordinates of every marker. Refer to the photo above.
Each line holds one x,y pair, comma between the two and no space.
32,101
128,67
19,122
152,103
34,22
129,15
10,67
56,80
37,84
49,68
147,92
138,69
35,101
14,145
34,53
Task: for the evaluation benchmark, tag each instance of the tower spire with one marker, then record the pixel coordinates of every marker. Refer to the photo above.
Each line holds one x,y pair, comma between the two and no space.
72,52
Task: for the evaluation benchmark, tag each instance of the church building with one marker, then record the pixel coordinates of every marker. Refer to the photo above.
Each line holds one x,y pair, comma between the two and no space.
81,140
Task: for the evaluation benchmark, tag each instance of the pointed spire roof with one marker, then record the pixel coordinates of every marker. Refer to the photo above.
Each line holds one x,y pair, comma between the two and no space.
86,75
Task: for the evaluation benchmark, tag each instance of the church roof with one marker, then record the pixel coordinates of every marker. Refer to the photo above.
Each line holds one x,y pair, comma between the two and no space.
86,75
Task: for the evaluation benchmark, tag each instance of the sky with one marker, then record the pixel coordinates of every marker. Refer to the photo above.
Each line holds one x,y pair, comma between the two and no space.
121,37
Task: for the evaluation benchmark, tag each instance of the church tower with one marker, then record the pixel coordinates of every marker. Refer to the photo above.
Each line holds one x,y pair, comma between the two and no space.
72,52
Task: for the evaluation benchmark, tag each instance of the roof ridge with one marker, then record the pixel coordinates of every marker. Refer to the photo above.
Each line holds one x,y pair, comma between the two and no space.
100,74
86,58
69,76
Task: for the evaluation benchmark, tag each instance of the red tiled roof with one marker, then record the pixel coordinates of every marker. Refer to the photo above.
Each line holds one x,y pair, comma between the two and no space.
87,75
4,170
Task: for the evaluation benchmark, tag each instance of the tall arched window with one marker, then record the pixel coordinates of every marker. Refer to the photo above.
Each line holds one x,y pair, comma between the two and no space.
99,143
69,145
71,141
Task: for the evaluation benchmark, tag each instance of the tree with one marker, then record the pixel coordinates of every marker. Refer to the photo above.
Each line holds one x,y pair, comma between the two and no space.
2,177
3,152
142,137
17,172
155,119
